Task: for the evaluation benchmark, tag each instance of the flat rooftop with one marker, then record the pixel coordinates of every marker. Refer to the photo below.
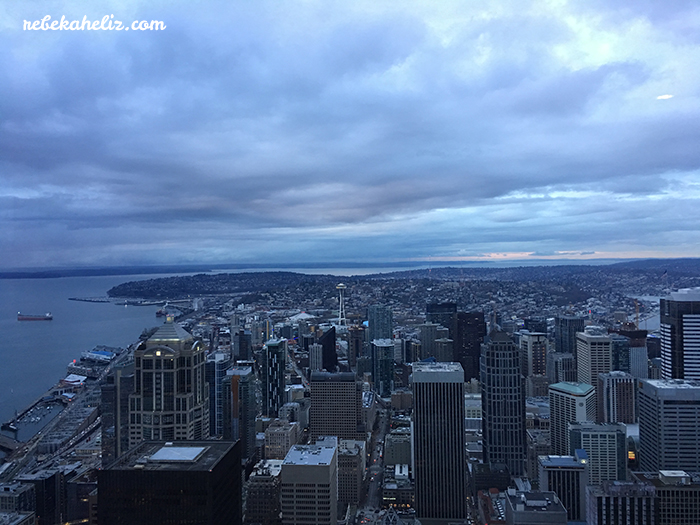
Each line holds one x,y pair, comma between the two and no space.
575,389
427,372
318,455
176,456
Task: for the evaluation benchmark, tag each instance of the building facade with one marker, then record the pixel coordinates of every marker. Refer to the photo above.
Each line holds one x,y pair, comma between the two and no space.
568,402
503,403
439,442
170,399
680,335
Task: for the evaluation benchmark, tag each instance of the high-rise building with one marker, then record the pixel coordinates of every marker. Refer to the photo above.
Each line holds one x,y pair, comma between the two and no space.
594,355
310,484
280,436
262,502
669,412
439,441
116,389
274,359
381,322
616,398
561,368
536,324
620,352
444,350
565,329
533,353
316,357
428,336
503,403
606,447
383,366
629,503
184,482
568,477
240,408
568,402
336,406
330,356
170,399
352,462
242,345
680,334
470,328
677,494
356,338
442,314
215,371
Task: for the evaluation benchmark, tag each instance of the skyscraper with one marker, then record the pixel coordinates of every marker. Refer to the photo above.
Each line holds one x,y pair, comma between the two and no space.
170,399
470,333
442,314
336,406
165,482
356,337
606,447
669,411
680,334
566,328
310,484
329,359
439,441
616,398
215,371
568,402
240,408
274,358
381,322
503,403
383,366
594,355
568,477
116,389
428,336
533,352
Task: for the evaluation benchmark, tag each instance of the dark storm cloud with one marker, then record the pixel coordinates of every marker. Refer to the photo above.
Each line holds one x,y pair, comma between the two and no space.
413,131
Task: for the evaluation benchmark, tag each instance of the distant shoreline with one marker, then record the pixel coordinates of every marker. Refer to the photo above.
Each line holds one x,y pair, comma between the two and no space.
52,273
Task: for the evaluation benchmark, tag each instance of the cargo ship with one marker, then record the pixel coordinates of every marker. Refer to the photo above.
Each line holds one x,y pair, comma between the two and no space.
29,317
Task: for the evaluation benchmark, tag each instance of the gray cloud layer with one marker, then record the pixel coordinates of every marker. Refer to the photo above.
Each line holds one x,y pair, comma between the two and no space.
319,131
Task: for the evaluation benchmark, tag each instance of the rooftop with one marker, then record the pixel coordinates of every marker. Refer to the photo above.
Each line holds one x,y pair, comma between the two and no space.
437,372
180,455
576,389
685,295
310,455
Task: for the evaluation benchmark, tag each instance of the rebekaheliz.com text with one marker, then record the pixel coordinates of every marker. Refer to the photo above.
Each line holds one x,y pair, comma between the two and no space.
106,23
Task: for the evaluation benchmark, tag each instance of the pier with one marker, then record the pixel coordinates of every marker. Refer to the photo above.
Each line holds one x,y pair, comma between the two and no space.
8,444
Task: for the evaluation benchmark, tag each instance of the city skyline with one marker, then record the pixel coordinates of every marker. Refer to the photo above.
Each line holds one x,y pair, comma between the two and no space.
361,132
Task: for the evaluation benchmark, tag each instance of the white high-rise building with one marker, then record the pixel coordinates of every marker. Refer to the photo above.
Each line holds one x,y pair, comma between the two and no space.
568,403
310,484
593,355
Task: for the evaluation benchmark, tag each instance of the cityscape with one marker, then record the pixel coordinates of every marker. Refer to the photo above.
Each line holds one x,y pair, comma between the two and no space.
411,397
319,262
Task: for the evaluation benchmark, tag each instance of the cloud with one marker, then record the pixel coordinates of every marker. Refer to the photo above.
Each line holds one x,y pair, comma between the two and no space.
356,130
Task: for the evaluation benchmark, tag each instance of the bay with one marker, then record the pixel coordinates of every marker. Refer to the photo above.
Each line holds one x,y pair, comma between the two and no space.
34,354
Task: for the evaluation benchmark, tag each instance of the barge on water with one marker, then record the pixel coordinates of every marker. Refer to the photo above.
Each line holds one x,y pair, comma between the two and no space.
33,317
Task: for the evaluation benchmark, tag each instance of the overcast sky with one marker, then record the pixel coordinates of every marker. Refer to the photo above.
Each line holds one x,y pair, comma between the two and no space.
297,131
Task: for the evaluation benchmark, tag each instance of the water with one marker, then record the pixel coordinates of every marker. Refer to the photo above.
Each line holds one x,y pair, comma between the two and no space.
35,353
